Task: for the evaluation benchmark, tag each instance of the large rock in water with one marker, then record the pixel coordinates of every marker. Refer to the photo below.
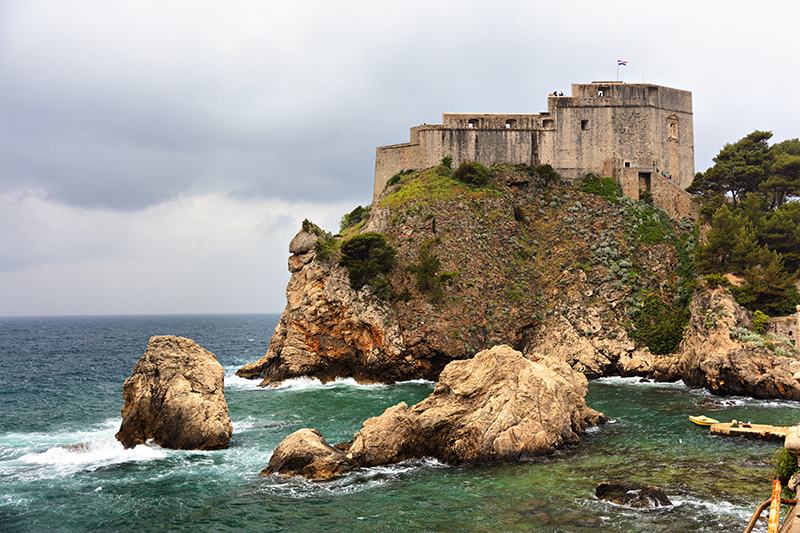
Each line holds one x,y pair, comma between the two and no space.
496,406
176,398
631,495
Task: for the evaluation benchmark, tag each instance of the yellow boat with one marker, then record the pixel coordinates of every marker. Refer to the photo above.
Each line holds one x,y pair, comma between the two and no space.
703,420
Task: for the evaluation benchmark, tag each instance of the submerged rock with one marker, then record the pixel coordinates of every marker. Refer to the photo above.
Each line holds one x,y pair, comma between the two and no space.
496,406
631,495
176,398
711,403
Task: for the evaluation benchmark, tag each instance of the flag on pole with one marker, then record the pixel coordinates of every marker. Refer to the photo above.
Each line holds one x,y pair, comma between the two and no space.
622,63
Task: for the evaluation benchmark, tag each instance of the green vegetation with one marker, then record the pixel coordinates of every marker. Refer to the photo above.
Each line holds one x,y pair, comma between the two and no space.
546,176
326,243
472,173
426,272
755,226
760,321
394,180
784,465
659,325
433,185
368,258
447,162
354,217
604,187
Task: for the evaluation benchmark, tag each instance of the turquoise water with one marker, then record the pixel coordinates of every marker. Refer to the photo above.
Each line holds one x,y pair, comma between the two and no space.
61,383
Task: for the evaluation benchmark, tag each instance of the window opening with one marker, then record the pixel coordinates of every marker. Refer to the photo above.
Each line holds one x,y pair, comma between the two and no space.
473,123
511,124
584,125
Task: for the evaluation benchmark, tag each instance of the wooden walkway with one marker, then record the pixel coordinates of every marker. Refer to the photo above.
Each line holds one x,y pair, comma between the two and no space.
755,431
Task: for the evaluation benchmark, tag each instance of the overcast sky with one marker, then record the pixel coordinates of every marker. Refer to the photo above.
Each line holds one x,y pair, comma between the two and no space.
157,157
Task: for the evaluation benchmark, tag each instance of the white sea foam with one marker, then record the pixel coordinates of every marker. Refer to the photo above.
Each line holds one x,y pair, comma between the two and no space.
356,481
93,454
637,381
51,455
235,382
715,507
232,381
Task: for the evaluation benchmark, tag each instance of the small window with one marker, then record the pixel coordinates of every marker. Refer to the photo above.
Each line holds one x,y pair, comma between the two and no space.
627,164
602,91
547,123
584,125
511,124
473,123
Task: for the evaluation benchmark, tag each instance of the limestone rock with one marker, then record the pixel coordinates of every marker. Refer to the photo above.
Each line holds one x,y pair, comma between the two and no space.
176,398
630,495
496,406
303,242
792,441
711,357
305,453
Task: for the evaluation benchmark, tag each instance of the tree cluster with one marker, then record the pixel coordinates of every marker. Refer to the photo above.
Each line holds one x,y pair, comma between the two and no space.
369,258
749,197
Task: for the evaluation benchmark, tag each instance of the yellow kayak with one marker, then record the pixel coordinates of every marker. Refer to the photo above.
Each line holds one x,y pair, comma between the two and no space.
703,420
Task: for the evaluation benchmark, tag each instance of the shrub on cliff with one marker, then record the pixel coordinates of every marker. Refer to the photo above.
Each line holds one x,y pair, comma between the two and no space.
354,217
368,258
659,325
760,321
604,187
472,173
546,175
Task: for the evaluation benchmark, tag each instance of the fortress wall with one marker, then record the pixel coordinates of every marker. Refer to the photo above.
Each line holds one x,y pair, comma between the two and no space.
492,121
489,146
584,140
673,199
787,327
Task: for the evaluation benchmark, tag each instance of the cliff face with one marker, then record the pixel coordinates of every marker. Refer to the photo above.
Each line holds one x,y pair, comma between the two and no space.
718,353
545,269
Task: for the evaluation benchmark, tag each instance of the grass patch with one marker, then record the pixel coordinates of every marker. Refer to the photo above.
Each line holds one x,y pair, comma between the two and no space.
437,184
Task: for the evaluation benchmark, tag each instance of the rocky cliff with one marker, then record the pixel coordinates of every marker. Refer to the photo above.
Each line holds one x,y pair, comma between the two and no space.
721,354
545,267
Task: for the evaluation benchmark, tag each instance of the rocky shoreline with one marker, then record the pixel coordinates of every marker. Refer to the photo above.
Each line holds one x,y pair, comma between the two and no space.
498,406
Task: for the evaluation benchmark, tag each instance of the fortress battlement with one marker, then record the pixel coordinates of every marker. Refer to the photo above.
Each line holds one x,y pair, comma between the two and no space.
639,134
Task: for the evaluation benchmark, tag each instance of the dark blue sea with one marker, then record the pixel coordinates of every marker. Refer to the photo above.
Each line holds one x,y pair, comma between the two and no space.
61,383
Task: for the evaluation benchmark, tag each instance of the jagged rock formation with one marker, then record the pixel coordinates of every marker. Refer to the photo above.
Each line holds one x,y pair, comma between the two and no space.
712,357
636,496
175,397
496,406
324,333
527,262
546,269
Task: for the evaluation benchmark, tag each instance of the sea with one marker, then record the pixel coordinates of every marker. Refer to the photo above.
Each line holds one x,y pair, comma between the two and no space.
61,384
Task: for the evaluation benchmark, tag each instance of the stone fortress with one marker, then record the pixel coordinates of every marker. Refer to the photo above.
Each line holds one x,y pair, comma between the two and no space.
639,134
